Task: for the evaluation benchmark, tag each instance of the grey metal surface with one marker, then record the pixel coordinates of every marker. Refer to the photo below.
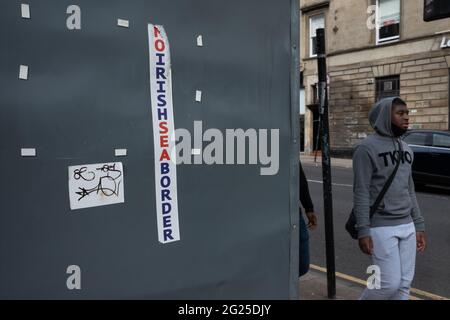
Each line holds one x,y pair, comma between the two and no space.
88,94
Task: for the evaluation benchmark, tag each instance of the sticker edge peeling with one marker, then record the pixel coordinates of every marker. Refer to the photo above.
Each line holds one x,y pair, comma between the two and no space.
25,11
28,152
200,41
198,96
23,72
123,23
121,152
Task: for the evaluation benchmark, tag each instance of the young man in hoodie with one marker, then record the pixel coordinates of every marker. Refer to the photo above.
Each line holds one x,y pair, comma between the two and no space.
397,228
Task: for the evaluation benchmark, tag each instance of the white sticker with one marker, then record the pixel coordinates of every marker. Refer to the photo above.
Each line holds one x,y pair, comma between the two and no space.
123,23
198,96
121,152
200,41
95,185
23,73
163,135
28,152
25,8
196,152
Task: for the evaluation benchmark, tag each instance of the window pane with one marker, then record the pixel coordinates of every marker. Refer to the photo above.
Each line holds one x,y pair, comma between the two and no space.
419,139
389,12
316,22
389,31
441,140
387,87
389,18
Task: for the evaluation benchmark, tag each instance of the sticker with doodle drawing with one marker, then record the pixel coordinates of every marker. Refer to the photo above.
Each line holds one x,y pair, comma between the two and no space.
96,185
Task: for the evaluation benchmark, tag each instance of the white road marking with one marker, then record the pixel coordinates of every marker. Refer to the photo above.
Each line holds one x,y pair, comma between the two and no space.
334,184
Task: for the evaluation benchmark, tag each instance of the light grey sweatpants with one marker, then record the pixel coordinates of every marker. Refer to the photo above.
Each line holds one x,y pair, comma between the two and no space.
394,252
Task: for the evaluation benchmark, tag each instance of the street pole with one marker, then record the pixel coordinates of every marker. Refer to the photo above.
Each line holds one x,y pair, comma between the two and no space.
326,164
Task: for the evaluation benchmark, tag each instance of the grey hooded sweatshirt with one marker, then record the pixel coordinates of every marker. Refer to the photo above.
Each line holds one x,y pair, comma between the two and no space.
374,161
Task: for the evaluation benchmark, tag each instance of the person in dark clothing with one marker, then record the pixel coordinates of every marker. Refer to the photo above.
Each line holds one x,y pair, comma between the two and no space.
307,204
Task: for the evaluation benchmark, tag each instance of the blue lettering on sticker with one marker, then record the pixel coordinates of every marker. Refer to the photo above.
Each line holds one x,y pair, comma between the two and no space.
166,208
162,114
166,222
162,100
165,195
165,169
160,73
165,182
168,235
160,59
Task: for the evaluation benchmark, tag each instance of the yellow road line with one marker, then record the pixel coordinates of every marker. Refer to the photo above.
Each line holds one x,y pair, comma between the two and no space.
428,295
364,283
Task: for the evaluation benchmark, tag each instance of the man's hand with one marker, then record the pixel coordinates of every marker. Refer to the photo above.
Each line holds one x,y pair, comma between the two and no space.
421,241
366,245
312,220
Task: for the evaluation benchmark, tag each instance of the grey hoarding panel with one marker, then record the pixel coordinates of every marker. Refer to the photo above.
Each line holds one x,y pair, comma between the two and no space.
87,94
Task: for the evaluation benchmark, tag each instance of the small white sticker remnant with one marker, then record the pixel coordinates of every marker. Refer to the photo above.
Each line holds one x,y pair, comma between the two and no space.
28,152
25,8
95,185
196,152
121,152
200,41
198,96
123,23
362,135
23,73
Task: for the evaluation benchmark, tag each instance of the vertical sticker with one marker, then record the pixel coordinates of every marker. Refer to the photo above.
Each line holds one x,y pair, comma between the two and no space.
164,135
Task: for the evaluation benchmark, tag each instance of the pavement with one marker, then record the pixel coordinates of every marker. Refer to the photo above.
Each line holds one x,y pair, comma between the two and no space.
335,162
313,286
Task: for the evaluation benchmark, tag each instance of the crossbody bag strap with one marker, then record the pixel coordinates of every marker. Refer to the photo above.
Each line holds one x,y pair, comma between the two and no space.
388,183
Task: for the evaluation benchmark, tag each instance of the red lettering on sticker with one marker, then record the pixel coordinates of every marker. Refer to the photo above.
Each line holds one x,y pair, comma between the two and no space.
160,45
164,141
163,127
157,32
164,156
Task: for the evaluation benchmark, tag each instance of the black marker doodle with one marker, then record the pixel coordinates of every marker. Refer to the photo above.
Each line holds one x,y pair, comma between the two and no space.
109,181
78,174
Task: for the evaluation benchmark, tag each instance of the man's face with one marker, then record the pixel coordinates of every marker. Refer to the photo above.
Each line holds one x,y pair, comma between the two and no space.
400,116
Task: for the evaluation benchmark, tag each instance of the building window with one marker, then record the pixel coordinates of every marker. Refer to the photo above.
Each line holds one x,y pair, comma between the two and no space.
387,87
388,18
315,22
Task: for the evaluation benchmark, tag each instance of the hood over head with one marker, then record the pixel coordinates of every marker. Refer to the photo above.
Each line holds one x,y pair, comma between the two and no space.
380,116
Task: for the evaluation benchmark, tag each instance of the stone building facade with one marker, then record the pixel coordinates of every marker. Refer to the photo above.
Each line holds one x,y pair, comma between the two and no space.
413,62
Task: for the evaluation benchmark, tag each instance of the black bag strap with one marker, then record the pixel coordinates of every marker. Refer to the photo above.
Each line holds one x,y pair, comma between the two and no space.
388,183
